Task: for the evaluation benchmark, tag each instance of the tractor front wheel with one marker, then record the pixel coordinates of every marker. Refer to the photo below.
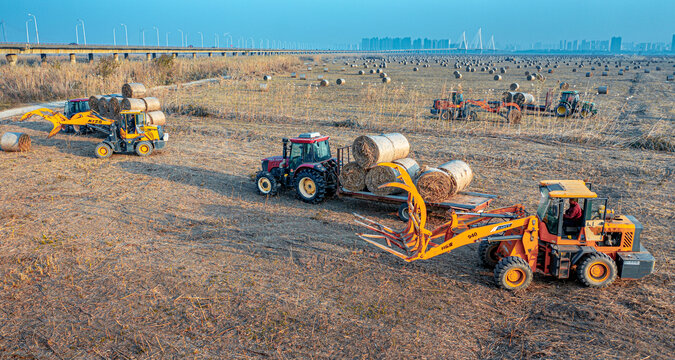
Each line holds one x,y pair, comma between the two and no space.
597,270
488,254
513,273
103,151
266,184
310,186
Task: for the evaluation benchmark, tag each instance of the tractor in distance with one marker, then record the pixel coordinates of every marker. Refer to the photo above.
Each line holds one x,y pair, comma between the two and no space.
570,105
306,165
72,107
599,246
450,107
456,108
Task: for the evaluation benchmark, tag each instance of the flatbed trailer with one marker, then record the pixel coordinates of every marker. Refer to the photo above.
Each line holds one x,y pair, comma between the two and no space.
464,200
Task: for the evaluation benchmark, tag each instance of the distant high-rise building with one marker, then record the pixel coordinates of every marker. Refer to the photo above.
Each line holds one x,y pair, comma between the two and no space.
397,44
365,44
406,43
575,46
672,44
615,44
417,44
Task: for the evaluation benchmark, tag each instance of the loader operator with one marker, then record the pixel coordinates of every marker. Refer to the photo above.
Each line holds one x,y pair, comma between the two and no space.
573,215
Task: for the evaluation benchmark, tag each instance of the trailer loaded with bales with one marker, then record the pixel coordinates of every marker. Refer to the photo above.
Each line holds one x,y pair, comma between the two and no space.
308,167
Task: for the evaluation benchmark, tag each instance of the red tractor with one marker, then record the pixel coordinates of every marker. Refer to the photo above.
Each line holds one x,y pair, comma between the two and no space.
307,166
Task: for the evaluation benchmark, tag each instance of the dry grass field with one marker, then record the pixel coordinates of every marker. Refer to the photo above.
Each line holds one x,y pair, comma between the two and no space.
176,255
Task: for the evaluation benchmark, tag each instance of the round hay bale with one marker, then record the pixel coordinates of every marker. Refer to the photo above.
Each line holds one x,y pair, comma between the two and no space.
458,76
386,80
383,75
323,83
372,71
133,104
530,77
134,90
340,81
93,102
267,78
589,74
156,118
602,90
369,150
604,73
416,69
152,104
353,177
508,96
361,72
437,185
670,77
564,86
380,175
114,105
14,141
497,77
522,98
514,86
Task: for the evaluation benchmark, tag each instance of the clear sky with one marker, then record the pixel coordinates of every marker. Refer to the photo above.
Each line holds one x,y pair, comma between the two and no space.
327,23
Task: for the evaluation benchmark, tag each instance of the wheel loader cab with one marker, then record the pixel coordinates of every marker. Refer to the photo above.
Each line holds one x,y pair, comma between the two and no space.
555,194
131,123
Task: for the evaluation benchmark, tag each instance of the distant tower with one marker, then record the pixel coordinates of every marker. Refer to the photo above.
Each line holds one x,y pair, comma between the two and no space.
672,45
615,45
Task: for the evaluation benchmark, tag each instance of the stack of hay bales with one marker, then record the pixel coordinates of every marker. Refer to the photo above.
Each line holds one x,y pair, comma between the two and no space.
134,96
434,184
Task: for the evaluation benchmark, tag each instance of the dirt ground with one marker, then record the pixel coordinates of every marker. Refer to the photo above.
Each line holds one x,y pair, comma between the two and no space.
176,256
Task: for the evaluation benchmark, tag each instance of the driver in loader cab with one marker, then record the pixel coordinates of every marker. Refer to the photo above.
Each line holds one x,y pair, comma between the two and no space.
573,215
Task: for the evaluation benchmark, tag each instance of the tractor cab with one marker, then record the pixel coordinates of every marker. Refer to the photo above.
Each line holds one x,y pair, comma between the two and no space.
306,165
75,106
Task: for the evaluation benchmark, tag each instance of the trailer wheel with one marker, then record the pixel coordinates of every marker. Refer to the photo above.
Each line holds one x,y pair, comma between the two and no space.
513,273
266,183
487,253
403,212
597,270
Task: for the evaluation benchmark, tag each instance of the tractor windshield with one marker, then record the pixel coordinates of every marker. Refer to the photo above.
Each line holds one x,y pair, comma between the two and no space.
322,151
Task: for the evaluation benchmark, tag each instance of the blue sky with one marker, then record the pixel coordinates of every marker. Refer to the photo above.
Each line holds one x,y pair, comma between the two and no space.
327,23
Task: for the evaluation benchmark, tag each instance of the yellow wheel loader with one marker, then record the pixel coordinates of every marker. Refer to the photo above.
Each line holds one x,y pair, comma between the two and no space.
131,133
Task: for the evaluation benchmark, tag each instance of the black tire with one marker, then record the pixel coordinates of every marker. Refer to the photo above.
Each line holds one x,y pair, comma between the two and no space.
403,212
563,110
143,148
584,113
472,116
266,184
513,273
487,253
597,270
446,114
103,151
310,186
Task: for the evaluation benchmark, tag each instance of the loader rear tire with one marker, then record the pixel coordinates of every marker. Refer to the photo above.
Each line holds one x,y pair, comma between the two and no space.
597,270
513,273
487,253
103,151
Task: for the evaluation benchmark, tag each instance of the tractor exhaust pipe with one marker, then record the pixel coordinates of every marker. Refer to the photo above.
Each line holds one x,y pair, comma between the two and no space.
285,152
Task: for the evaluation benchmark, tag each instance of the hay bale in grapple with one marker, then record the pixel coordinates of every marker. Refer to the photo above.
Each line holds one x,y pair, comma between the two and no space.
353,177
14,141
438,184
134,90
369,150
133,104
152,104
380,175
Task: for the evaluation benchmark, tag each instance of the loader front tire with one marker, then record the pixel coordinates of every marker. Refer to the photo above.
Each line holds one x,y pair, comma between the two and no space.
513,273
103,151
487,253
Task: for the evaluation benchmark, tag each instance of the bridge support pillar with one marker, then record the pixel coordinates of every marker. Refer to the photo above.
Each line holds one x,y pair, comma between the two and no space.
154,55
224,54
148,56
73,59
43,57
234,54
210,54
91,58
126,56
194,55
12,59
174,55
116,57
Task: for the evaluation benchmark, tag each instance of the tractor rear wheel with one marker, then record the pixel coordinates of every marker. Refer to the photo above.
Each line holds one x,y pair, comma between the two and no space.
143,148
103,151
447,114
266,183
310,186
563,110
487,253
597,270
513,273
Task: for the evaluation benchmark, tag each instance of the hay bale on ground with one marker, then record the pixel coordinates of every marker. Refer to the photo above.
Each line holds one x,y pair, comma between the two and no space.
380,175
14,141
134,90
439,184
369,150
353,177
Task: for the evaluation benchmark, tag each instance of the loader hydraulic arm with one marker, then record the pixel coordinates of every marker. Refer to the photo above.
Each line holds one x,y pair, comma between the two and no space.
59,120
415,242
